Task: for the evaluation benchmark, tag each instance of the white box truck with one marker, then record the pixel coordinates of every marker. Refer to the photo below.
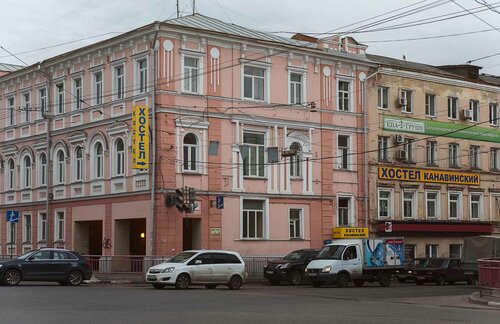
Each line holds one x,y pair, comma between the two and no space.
357,260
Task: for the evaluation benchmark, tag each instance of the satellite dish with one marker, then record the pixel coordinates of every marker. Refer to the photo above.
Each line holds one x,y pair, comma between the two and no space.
362,77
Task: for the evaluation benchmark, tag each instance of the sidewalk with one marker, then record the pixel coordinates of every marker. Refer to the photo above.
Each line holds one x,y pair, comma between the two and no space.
493,301
137,278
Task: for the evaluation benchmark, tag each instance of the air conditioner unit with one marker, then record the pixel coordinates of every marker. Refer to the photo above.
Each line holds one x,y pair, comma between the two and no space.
401,155
466,114
399,138
402,102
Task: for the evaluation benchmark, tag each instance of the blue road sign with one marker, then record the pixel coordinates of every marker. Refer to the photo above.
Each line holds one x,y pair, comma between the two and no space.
12,216
220,202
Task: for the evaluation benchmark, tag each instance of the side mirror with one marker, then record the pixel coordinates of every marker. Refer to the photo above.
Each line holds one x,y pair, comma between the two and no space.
31,258
198,262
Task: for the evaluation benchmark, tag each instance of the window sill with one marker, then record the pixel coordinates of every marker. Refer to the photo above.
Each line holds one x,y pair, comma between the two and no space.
191,172
430,116
296,178
383,108
27,242
407,112
253,239
254,100
296,239
118,176
41,242
454,166
184,92
432,165
254,178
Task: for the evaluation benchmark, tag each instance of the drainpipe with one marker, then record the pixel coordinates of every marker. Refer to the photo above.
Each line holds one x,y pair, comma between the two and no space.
363,78
153,145
46,116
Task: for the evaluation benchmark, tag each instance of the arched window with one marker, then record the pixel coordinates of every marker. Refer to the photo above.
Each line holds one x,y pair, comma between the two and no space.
296,160
60,167
119,157
27,171
98,161
190,151
11,175
79,164
42,180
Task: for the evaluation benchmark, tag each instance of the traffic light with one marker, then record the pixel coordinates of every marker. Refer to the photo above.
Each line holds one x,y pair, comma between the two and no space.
180,201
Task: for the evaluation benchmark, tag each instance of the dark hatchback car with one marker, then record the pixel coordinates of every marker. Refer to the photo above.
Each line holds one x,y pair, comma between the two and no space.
408,273
290,268
441,271
62,266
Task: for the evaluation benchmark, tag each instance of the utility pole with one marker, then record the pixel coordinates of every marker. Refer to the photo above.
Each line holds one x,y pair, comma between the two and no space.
194,6
178,13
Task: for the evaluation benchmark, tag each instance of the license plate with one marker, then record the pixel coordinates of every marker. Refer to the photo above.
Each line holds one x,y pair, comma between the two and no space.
269,272
312,274
150,277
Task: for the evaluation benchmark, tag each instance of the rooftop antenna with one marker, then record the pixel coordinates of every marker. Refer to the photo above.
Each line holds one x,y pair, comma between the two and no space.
178,13
194,6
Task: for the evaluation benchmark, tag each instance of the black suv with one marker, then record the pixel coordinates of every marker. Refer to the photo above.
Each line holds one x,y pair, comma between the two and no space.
441,271
408,273
290,268
63,266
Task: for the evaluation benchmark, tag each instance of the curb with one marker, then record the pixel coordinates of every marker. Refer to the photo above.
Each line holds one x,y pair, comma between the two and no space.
476,299
95,281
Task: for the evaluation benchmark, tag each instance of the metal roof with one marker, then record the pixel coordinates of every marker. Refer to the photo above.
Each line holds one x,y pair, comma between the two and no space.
9,67
202,22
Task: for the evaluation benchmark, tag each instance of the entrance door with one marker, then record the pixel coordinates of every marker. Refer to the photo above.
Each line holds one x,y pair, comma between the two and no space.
191,234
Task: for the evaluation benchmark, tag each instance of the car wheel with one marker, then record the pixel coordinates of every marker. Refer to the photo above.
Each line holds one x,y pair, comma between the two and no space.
274,282
419,282
62,282
358,282
158,286
316,284
74,278
12,277
402,280
384,279
210,286
235,282
183,281
440,280
342,280
295,278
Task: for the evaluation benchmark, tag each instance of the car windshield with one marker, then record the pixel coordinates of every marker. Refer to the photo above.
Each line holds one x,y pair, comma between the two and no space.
435,263
181,257
419,262
331,252
25,255
296,255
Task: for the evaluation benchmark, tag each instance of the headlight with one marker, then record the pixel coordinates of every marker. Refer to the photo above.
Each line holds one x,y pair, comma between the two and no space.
1,265
284,265
409,271
168,270
327,269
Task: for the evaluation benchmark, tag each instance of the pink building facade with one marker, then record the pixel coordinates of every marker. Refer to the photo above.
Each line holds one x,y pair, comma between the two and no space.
275,126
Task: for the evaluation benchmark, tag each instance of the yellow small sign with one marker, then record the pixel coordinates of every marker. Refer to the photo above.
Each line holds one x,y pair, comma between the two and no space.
425,175
350,232
140,137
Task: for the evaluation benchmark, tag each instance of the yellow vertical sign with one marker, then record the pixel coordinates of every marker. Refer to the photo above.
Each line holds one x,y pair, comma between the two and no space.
140,137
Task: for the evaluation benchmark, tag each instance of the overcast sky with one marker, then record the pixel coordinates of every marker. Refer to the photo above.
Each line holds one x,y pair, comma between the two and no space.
29,25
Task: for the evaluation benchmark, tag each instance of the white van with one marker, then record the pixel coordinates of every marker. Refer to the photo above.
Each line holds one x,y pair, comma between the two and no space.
205,267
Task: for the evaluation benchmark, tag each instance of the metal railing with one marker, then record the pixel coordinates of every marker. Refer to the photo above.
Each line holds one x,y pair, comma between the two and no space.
489,277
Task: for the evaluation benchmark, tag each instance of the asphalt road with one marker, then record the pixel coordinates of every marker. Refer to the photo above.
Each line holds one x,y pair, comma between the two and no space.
254,303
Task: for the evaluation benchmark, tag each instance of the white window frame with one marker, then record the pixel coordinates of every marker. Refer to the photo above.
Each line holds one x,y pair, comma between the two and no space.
459,205
390,203
295,161
350,209
60,169
118,82
256,147
429,253
42,102
26,174
10,106
97,88
11,234
42,170
475,110
300,223
10,175
97,167
383,152
437,205
409,148
197,152
119,158
493,114
475,156
431,150
494,158
453,108
186,79
79,165
265,219
460,250
26,107
342,95
27,230
430,105
59,107
58,223
42,235
414,202
480,206
383,97
408,95
292,88
266,87
455,149
141,75
77,93
347,150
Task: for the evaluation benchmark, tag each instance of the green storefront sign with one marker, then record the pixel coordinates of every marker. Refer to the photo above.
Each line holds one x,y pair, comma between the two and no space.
436,128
